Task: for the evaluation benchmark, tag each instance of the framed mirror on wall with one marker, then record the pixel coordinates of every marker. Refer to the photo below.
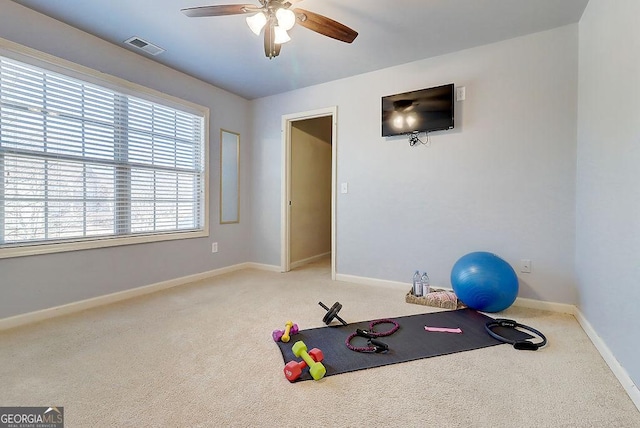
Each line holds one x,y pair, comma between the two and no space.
229,177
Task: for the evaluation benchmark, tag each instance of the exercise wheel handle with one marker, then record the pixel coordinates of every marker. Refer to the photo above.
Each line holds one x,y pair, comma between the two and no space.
341,320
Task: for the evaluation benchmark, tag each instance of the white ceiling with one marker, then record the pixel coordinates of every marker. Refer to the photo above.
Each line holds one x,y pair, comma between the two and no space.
224,52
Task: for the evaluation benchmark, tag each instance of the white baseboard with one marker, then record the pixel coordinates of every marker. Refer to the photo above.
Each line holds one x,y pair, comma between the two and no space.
561,308
308,260
261,266
373,281
520,301
70,308
608,356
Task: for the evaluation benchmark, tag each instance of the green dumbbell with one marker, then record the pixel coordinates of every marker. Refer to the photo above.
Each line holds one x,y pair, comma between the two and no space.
316,368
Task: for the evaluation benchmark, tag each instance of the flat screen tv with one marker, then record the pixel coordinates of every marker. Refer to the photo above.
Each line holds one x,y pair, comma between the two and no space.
424,110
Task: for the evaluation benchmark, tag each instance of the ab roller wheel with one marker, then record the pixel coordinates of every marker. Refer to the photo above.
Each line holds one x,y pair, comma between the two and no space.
332,313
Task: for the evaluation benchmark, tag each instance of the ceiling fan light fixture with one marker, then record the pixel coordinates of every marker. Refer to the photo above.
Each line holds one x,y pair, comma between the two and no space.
281,35
286,18
257,22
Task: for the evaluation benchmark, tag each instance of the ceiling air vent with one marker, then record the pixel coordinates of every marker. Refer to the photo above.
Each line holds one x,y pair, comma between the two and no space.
143,45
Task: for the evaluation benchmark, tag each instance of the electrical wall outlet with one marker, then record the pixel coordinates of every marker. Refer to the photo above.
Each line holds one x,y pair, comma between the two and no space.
525,266
214,247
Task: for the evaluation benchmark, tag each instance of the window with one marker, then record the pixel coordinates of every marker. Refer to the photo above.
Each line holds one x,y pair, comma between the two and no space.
81,162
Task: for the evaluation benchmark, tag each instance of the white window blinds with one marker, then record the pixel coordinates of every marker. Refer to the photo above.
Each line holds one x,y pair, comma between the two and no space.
81,162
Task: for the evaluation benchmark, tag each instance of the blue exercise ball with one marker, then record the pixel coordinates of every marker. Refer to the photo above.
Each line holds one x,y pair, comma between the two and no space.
484,281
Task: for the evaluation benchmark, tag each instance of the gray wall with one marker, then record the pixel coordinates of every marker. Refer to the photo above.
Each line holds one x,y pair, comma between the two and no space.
36,282
502,181
608,194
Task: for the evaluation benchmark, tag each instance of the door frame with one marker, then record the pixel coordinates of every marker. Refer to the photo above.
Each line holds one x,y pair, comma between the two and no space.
285,262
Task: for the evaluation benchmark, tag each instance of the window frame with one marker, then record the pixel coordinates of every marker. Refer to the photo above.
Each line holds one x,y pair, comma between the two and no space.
42,60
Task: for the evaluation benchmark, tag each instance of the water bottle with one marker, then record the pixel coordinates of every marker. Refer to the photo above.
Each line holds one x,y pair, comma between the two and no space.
424,280
417,284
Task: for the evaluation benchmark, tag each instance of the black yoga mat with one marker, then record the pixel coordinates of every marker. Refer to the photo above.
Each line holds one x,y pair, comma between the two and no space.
410,342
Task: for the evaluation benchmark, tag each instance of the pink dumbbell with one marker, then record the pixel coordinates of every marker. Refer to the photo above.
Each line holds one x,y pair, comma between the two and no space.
285,335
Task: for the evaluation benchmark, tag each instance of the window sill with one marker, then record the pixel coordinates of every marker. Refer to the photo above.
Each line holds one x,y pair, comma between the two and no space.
59,247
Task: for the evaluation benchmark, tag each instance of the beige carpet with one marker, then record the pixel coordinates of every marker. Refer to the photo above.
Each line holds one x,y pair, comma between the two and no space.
202,355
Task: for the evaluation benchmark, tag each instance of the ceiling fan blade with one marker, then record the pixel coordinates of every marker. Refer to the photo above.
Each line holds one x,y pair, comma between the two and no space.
221,10
325,26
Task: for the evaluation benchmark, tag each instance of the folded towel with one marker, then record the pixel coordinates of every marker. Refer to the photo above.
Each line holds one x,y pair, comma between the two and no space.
438,298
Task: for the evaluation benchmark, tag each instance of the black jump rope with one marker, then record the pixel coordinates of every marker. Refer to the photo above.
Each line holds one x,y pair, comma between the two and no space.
377,346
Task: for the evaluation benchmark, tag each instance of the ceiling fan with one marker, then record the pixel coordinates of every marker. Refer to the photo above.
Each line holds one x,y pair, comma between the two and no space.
276,17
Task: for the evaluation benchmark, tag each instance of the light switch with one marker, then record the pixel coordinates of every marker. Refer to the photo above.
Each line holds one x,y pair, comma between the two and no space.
344,188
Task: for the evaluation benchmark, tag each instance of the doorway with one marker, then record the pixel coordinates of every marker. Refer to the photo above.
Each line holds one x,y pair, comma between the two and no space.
308,188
